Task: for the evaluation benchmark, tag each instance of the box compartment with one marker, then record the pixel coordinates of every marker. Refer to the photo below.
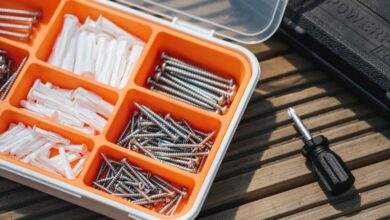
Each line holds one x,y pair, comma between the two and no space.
57,78
48,9
83,9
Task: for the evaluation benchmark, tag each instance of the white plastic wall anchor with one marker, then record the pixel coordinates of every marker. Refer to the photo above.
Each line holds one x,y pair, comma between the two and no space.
70,57
16,129
70,156
91,118
102,44
34,154
68,170
90,59
37,108
56,138
76,148
120,61
15,145
90,25
110,28
133,58
81,52
33,147
36,85
85,130
14,141
80,164
28,141
95,102
108,64
71,25
44,161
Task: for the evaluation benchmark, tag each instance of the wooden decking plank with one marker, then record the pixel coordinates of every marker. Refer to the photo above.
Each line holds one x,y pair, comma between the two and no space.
288,83
283,65
19,198
272,153
347,205
294,97
268,49
378,212
287,132
307,196
292,173
37,209
76,213
7,185
307,109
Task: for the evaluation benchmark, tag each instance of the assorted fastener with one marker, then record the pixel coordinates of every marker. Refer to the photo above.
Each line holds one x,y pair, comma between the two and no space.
190,84
18,23
34,146
123,179
165,139
97,49
7,78
79,108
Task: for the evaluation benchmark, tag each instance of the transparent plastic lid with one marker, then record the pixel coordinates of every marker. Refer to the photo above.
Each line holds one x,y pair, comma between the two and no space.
244,21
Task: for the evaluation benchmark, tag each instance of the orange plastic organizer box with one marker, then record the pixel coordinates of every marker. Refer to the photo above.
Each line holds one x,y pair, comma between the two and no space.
207,52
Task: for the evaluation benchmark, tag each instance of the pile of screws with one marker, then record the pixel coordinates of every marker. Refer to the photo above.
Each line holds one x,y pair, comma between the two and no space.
122,179
190,84
18,23
166,140
6,78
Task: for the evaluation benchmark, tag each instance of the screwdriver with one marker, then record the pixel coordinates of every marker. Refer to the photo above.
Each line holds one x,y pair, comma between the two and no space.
333,175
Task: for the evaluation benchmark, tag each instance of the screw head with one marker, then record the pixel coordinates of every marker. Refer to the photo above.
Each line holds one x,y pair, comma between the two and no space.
157,76
163,66
164,56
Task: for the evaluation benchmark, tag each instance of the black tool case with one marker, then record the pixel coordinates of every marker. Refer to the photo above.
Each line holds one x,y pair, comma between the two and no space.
351,38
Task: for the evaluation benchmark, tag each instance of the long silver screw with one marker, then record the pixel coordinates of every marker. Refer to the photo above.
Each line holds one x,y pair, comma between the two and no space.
191,75
179,94
21,12
228,94
32,20
185,137
16,26
157,122
183,65
220,100
15,34
158,77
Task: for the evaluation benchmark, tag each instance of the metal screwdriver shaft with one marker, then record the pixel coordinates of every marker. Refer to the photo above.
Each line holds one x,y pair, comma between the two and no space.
333,175
298,122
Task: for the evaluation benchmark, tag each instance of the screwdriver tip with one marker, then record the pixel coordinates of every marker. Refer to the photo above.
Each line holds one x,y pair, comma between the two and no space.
291,112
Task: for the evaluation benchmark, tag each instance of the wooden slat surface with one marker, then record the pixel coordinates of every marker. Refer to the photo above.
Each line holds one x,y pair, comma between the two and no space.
264,174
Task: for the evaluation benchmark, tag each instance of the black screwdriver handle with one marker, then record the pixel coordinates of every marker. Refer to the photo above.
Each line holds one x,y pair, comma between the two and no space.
333,174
